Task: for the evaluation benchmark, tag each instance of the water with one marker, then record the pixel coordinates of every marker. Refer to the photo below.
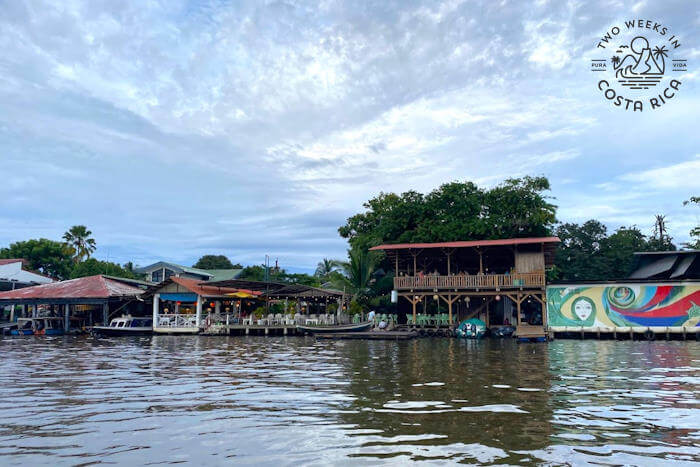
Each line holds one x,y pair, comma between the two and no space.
281,401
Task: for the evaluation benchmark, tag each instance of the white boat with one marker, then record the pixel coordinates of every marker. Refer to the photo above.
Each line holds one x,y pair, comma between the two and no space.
126,326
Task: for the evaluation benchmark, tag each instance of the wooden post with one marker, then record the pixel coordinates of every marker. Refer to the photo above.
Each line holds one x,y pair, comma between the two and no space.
518,305
481,261
396,266
12,312
105,314
413,302
449,298
487,313
66,317
448,262
415,267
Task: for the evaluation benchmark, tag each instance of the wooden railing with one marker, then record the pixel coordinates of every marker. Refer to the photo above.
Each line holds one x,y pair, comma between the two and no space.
488,281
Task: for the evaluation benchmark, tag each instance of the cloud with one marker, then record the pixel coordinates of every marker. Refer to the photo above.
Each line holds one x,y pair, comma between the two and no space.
174,129
683,175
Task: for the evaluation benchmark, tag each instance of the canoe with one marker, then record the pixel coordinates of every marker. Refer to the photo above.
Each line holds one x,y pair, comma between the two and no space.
357,327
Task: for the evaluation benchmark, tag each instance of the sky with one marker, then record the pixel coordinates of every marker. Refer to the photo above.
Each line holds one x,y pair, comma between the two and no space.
174,129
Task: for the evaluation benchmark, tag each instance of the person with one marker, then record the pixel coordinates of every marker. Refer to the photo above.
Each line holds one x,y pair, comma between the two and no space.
370,316
436,273
382,324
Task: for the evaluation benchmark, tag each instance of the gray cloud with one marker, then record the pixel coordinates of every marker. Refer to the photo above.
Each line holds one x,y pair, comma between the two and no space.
175,129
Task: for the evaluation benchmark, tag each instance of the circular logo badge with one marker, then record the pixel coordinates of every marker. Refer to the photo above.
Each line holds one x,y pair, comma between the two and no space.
638,65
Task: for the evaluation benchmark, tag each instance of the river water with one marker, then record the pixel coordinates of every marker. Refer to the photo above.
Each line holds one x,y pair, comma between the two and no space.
292,400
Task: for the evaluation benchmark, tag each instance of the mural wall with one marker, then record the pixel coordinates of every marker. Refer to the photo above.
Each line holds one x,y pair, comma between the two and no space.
612,305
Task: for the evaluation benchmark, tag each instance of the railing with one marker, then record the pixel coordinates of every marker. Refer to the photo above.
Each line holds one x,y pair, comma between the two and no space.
487,281
176,321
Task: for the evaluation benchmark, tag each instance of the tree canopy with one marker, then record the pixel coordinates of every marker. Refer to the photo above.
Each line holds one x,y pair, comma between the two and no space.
215,262
694,242
51,258
257,273
92,267
587,252
79,240
518,207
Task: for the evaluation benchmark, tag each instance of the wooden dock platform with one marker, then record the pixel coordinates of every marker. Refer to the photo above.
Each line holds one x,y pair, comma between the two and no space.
369,335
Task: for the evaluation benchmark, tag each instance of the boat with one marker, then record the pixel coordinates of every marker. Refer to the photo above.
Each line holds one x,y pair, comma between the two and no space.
126,326
503,331
331,328
43,326
472,328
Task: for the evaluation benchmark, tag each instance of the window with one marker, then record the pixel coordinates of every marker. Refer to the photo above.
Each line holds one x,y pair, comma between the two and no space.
157,276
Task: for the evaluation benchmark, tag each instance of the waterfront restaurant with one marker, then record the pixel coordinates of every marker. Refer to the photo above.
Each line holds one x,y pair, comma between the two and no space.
494,279
178,303
80,302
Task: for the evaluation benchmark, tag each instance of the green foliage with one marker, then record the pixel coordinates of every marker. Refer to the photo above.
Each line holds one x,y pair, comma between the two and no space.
92,267
257,273
259,312
277,308
355,308
357,272
454,211
325,267
79,239
587,252
48,257
215,262
694,243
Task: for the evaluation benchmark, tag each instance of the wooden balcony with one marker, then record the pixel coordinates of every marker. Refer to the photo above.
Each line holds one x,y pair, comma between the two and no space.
484,282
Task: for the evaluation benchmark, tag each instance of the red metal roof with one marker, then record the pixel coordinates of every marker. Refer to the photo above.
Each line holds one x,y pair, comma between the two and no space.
84,287
13,260
200,288
470,243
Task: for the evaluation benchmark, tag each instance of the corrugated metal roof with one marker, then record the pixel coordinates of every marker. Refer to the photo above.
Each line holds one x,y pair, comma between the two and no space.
203,289
223,274
173,267
469,243
84,287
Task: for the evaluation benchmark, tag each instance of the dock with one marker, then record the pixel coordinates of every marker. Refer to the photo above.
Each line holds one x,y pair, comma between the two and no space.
369,335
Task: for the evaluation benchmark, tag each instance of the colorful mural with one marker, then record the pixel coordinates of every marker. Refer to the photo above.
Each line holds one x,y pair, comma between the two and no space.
623,305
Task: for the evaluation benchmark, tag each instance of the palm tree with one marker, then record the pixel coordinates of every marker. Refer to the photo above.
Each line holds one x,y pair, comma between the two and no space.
661,52
615,60
357,272
79,240
325,267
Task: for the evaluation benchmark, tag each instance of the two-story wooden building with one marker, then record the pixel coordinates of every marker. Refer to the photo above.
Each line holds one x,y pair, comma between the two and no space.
469,276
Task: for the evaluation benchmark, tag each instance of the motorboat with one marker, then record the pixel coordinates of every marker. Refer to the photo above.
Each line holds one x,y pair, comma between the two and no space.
42,326
126,326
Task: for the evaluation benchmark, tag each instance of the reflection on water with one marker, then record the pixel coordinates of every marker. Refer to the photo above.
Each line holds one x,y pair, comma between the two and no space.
257,400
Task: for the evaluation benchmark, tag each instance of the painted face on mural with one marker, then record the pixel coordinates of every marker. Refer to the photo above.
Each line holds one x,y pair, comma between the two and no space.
583,309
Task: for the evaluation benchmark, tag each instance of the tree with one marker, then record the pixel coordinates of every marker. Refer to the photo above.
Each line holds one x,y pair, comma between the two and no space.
357,272
215,262
325,267
618,250
579,254
48,257
660,240
454,211
79,240
92,267
694,243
